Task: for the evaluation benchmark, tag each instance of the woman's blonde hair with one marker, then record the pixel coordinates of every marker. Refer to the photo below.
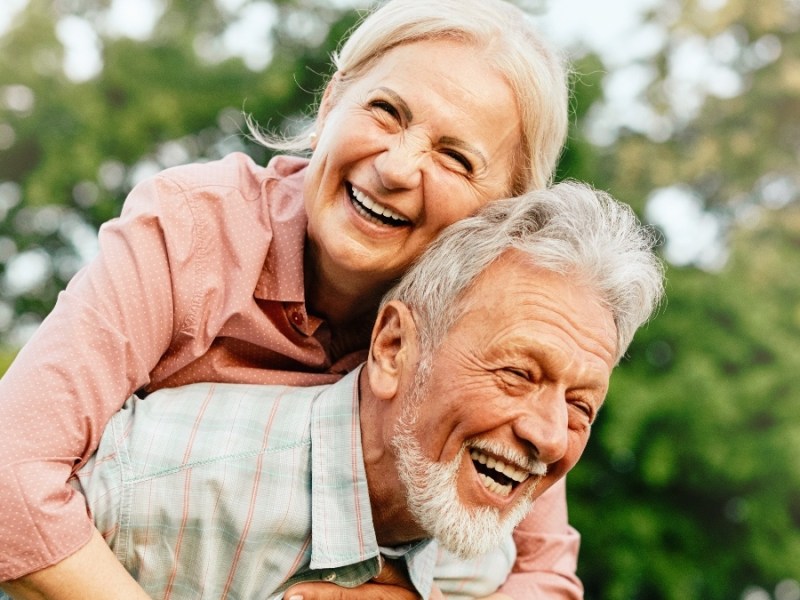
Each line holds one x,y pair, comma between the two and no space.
503,35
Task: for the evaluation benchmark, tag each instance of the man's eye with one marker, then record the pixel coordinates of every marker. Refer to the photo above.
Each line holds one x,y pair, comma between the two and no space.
513,381
520,373
585,408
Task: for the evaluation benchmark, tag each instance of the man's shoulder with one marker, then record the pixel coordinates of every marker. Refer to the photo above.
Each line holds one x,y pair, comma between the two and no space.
204,423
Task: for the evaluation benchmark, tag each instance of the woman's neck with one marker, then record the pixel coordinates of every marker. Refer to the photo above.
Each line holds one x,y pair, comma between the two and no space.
343,299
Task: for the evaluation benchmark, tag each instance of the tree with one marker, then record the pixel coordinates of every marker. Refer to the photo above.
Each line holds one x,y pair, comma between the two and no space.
688,489
73,150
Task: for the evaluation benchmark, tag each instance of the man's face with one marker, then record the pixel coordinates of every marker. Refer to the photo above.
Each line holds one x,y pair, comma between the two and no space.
507,406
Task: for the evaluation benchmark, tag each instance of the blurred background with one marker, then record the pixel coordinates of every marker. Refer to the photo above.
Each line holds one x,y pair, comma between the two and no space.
689,110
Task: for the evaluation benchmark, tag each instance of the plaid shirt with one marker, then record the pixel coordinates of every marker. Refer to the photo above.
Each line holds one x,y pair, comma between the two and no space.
262,488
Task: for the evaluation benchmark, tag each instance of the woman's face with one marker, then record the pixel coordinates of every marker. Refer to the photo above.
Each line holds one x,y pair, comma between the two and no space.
422,139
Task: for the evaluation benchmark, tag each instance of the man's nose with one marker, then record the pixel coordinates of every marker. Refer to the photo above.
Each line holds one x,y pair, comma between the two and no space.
545,425
400,165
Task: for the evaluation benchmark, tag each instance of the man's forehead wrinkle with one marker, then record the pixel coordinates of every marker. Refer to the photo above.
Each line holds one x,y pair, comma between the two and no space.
555,359
546,349
545,345
529,304
588,335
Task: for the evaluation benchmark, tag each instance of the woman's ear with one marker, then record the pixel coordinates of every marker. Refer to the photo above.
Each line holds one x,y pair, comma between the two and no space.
329,97
394,350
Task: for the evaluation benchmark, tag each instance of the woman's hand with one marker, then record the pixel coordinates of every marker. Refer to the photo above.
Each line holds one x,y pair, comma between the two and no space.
392,583
366,591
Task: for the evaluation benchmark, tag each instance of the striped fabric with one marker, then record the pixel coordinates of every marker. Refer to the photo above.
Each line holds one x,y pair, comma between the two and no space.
238,491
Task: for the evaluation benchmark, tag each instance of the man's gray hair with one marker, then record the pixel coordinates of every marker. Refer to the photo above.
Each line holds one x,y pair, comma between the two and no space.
570,229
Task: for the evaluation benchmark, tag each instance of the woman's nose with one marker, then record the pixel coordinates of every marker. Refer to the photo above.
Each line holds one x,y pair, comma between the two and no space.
400,166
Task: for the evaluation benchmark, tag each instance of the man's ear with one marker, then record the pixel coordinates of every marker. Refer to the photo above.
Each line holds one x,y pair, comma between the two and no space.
394,350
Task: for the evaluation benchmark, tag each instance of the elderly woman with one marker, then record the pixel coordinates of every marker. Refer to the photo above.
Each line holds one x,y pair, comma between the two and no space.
229,271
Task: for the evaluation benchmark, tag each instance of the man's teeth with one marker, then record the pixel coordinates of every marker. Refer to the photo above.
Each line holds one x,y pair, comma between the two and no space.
493,486
378,209
510,471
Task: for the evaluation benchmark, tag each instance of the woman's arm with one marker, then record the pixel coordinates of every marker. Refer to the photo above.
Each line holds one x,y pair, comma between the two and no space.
547,552
546,560
92,573
109,328
182,261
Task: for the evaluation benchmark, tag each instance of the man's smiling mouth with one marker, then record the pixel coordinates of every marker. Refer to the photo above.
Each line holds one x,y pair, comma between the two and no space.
374,212
497,476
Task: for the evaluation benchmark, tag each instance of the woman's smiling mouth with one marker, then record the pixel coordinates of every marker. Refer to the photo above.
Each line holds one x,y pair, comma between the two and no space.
374,212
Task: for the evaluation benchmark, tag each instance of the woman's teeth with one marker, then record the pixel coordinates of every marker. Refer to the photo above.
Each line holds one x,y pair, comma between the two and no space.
372,210
495,474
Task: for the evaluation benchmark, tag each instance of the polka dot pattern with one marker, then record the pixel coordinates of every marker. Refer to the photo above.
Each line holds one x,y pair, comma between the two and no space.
200,279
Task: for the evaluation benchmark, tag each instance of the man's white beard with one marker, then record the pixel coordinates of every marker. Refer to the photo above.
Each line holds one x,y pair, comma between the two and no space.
432,492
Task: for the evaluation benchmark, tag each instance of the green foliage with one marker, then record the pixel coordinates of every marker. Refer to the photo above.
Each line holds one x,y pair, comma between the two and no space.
80,147
579,158
6,357
687,490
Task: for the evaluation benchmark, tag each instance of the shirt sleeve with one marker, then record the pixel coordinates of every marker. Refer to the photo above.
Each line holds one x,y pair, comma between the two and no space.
111,325
547,552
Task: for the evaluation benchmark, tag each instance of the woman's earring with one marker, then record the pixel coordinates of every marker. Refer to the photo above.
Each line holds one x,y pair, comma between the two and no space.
312,137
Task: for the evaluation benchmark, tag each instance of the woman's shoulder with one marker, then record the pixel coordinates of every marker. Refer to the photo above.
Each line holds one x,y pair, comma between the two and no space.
211,190
236,170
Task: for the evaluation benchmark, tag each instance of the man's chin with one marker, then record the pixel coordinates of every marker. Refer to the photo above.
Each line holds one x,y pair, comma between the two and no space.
433,500
472,532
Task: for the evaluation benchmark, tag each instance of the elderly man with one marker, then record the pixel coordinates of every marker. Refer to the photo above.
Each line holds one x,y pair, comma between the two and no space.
488,364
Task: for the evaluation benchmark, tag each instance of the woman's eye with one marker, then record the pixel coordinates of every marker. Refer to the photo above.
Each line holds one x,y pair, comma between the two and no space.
462,160
386,107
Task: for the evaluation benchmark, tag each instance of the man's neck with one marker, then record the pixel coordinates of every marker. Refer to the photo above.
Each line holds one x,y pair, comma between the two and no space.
391,518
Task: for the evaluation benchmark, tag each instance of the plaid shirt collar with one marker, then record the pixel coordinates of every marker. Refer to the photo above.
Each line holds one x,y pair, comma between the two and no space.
342,530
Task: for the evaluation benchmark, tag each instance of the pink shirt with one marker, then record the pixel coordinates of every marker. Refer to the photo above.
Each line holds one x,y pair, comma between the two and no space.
199,279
